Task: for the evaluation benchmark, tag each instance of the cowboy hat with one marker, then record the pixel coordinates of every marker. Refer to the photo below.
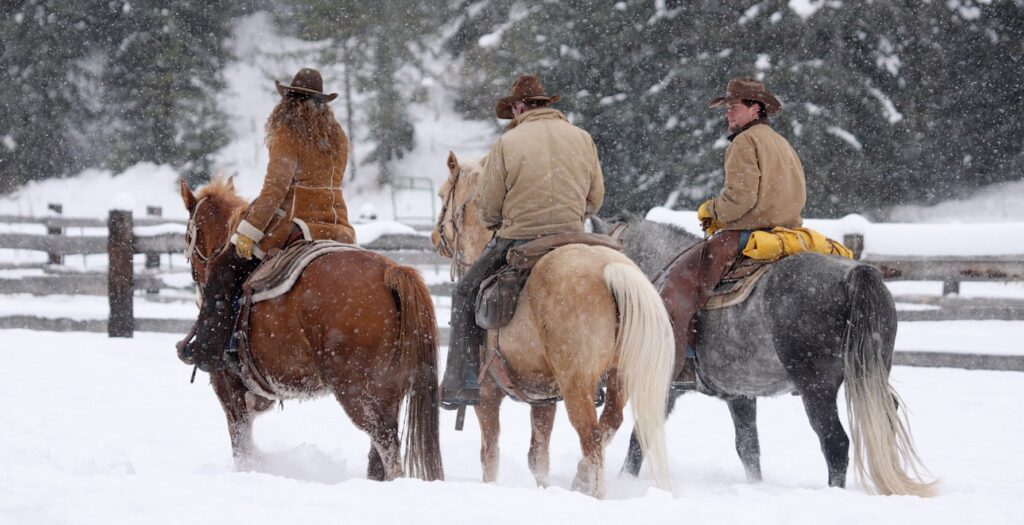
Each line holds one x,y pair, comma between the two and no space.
746,88
526,87
306,82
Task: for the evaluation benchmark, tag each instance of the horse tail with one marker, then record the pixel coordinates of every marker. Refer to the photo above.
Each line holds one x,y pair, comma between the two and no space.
646,350
883,447
418,347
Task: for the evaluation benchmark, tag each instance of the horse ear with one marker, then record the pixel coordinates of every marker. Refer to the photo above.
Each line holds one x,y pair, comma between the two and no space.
231,183
453,162
187,196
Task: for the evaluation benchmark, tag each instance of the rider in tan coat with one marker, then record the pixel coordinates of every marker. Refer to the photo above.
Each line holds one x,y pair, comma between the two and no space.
541,177
764,188
301,199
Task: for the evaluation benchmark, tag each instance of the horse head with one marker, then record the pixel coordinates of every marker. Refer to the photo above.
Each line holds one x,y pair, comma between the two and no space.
214,212
459,233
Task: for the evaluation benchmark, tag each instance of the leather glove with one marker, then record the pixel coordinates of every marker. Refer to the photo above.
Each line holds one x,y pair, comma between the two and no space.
243,246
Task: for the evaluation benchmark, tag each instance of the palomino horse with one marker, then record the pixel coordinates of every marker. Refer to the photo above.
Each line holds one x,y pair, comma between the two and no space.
355,325
811,323
585,312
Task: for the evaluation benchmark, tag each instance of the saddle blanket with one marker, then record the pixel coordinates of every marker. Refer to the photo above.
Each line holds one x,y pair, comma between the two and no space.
737,285
276,276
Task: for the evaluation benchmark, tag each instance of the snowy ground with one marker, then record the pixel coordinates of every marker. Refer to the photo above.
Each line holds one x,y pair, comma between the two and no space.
100,430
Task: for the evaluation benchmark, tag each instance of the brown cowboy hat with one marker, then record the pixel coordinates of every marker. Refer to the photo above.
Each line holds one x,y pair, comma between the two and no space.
746,88
306,82
526,87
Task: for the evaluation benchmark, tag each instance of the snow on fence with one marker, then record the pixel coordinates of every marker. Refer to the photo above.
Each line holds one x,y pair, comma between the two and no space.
153,236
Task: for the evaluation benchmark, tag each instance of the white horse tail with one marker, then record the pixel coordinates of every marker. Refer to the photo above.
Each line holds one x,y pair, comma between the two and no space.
884,451
646,350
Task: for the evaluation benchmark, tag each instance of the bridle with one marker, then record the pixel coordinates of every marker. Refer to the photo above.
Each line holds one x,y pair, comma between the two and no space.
449,246
192,252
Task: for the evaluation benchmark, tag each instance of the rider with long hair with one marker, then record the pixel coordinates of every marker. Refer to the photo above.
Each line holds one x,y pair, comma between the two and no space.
301,199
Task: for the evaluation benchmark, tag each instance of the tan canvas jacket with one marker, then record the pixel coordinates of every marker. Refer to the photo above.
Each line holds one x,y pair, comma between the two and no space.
541,177
302,188
764,183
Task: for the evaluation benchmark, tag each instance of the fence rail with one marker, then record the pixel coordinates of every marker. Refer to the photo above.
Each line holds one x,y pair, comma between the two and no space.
415,249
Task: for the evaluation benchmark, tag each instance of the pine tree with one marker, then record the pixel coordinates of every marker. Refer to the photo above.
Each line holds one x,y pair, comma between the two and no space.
160,85
884,101
43,70
376,42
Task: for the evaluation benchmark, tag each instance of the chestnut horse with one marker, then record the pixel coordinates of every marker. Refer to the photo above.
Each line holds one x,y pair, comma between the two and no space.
585,312
355,325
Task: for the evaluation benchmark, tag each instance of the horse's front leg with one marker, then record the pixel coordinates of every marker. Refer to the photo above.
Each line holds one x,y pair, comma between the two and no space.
543,419
240,408
487,413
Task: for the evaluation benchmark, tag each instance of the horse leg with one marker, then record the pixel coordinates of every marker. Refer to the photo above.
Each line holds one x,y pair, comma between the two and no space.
543,419
240,408
611,415
820,405
635,455
379,419
487,413
579,403
744,420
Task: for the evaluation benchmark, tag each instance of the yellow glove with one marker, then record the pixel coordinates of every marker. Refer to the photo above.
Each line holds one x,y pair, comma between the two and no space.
704,211
243,246
707,221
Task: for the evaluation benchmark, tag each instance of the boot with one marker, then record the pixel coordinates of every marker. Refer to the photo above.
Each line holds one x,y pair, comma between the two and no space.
227,273
687,286
460,386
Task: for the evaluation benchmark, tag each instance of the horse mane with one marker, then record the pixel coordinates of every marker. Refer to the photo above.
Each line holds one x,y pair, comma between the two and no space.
221,192
633,220
474,166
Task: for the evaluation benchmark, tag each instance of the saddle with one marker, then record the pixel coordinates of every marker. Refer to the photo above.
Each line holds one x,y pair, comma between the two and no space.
499,296
273,278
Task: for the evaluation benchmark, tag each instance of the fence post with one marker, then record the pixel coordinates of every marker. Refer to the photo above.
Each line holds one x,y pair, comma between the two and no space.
855,242
153,259
950,287
120,275
57,209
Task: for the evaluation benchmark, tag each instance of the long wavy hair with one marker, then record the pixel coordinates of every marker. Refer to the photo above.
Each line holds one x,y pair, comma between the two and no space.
311,122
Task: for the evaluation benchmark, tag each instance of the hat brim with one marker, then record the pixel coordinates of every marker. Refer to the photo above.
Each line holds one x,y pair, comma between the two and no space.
285,89
771,104
503,109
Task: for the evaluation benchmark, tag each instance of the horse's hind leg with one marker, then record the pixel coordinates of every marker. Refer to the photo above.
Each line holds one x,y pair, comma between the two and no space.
635,454
487,413
240,408
380,421
579,403
611,415
820,405
744,420
543,419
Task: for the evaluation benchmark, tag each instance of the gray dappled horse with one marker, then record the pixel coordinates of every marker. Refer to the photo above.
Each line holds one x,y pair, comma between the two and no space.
811,322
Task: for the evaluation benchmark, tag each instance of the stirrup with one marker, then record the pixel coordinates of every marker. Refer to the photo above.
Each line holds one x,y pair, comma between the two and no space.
461,397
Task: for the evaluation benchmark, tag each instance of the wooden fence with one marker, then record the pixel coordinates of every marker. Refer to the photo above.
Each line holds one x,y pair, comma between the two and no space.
121,280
